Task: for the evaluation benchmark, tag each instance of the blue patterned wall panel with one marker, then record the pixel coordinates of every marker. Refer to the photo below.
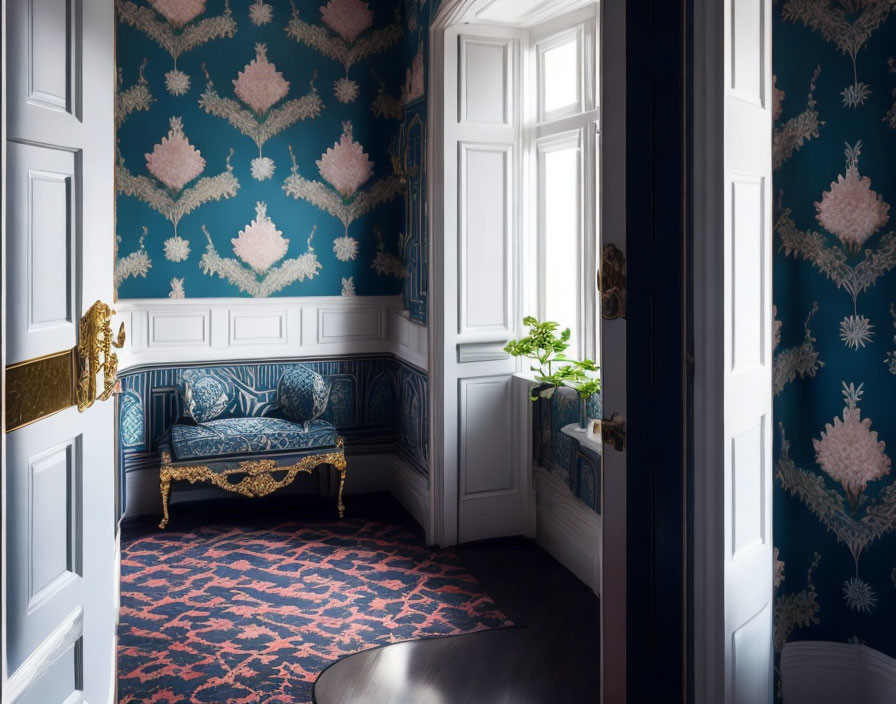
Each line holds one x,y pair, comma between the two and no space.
415,244
834,291
414,247
413,441
557,452
382,402
342,407
587,477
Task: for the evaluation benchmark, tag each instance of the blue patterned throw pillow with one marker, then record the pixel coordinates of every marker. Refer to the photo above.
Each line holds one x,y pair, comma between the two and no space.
302,393
204,395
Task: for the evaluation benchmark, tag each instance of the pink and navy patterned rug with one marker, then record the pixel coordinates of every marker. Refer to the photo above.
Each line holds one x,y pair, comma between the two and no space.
253,616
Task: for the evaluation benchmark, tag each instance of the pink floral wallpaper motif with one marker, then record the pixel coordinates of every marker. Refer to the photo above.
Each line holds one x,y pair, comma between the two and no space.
174,161
835,298
170,23
282,172
850,209
347,35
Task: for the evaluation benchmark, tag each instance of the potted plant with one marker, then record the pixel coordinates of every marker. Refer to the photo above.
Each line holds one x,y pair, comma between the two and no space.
545,347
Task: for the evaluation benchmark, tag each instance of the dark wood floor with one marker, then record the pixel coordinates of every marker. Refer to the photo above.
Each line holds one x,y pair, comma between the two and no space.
553,656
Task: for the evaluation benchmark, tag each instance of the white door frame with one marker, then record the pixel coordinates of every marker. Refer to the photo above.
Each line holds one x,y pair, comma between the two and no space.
613,230
714,496
3,83
442,498
443,495
709,401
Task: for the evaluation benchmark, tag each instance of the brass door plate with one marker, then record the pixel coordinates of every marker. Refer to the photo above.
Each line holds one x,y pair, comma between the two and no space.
40,387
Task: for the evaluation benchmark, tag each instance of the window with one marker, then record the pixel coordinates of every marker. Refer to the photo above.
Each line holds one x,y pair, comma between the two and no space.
560,187
562,137
559,75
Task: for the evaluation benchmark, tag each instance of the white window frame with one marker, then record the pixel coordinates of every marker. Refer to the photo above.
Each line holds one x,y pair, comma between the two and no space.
544,146
545,131
541,48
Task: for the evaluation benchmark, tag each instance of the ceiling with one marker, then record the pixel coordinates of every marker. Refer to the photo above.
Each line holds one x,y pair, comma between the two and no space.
521,13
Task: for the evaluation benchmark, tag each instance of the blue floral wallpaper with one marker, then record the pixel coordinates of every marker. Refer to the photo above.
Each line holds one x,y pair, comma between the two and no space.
270,148
835,296
376,403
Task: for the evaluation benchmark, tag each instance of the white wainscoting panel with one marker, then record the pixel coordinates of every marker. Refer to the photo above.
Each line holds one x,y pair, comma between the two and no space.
486,229
181,327
485,462
821,672
410,340
165,331
340,325
568,529
258,326
485,69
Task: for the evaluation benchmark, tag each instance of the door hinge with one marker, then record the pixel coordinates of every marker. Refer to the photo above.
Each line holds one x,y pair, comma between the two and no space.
611,281
612,432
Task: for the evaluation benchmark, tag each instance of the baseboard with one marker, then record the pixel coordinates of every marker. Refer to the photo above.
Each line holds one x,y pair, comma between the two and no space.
367,473
411,490
569,530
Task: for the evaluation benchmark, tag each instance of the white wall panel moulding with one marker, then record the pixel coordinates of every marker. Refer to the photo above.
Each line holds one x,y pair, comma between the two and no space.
163,331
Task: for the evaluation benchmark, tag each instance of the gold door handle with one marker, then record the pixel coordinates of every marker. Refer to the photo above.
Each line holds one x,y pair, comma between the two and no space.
611,282
95,355
37,388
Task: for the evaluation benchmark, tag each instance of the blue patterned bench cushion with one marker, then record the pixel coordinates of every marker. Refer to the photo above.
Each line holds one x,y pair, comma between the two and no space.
232,436
205,395
302,394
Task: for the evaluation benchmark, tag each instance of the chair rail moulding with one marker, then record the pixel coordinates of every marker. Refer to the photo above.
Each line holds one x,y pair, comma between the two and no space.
173,331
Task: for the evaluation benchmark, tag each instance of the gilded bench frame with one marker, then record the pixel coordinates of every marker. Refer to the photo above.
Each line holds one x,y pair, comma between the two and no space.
258,479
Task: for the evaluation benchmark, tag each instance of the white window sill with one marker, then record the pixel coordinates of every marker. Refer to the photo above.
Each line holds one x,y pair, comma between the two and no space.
587,438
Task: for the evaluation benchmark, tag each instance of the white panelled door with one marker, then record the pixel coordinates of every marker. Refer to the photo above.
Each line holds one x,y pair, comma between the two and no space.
481,235
60,545
748,352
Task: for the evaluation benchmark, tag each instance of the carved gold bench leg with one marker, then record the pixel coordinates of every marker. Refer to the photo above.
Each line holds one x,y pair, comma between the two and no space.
341,468
165,487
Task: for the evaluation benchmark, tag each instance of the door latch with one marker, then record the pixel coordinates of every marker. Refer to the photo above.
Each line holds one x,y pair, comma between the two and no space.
611,281
612,431
95,356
